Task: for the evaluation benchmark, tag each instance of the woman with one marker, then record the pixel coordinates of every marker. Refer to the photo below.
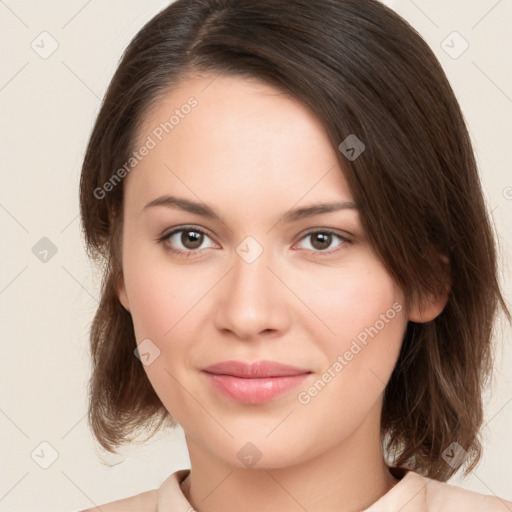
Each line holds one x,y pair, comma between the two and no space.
299,266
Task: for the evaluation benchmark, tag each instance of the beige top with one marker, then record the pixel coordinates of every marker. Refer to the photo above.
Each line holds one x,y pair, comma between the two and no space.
413,493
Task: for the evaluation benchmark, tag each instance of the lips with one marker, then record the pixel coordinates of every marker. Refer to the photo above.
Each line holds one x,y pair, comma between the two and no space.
253,383
255,370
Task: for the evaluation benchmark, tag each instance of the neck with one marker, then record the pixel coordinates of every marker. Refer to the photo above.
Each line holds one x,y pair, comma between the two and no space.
349,477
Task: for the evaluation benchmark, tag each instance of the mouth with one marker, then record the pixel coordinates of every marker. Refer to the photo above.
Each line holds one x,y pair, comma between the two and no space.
254,383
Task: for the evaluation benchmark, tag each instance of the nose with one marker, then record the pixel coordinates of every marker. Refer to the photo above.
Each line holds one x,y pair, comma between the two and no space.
252,301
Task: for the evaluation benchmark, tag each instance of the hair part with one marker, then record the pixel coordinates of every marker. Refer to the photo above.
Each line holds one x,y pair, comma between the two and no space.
362,70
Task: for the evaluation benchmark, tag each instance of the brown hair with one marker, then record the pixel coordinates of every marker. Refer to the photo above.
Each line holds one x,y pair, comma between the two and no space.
364,71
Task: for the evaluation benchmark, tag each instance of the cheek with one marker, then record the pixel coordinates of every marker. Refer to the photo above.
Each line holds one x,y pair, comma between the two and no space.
164,303
162,295
349,299
364,313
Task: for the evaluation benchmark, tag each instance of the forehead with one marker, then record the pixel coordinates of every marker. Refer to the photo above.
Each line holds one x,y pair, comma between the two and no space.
223,139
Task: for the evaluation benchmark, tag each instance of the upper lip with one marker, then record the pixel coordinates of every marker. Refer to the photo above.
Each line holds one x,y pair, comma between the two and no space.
254,370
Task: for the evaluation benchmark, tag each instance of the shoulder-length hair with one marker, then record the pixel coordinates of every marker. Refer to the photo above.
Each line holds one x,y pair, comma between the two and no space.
364,71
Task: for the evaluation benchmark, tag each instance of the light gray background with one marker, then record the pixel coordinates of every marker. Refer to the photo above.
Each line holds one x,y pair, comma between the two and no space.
48,106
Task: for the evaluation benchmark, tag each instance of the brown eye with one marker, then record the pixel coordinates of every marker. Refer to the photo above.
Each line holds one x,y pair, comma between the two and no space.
191,239
186,241
322,240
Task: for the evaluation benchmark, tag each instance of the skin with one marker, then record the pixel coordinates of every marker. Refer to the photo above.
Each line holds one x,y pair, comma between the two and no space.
252,153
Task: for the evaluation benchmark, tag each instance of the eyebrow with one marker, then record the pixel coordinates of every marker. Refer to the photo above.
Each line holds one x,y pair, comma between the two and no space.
289,217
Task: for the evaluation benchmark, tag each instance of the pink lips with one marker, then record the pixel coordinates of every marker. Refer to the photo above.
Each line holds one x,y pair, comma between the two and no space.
254,383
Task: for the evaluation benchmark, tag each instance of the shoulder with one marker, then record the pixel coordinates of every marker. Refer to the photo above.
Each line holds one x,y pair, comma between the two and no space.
418,493
144,502
445,497
168,496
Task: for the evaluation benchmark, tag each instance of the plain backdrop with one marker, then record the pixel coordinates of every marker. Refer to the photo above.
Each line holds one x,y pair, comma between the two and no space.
57,60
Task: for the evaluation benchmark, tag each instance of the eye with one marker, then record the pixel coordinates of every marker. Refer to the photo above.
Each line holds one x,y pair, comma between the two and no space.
185,240
322,240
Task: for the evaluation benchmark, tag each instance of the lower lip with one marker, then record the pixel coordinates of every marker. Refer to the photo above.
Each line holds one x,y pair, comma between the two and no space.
253,391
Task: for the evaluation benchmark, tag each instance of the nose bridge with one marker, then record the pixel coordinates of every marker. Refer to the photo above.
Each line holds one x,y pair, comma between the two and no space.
252,297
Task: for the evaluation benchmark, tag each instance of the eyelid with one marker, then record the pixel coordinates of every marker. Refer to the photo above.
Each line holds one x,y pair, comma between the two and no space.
340,232
190,227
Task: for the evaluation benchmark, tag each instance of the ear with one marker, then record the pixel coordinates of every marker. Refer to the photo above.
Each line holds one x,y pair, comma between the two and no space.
121,293
119,285
429,306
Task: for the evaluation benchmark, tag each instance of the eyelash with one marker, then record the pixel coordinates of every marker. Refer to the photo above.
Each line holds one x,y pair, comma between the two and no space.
192,253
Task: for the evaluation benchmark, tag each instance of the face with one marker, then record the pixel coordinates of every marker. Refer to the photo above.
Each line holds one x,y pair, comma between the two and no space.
253,281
